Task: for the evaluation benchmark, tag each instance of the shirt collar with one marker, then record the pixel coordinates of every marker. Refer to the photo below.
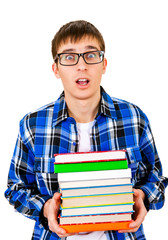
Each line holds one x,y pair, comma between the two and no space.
60,110
106,108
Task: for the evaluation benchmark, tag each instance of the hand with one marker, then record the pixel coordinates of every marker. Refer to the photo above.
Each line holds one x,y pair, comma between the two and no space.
140,211
50,211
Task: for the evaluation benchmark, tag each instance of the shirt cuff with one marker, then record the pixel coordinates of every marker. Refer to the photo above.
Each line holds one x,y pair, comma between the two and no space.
154,196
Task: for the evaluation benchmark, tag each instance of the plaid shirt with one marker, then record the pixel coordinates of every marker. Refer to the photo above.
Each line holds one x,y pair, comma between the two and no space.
118,125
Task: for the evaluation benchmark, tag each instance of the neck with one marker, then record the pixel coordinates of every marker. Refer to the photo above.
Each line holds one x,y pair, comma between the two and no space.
83,111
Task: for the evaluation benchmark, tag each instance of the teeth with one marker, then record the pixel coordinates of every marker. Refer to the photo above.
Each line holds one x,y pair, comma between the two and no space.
82,80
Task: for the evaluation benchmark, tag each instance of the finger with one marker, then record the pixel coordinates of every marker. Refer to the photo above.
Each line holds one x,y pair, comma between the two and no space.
57,197
60,231
129,230
56,200
54,225
140,218
136,193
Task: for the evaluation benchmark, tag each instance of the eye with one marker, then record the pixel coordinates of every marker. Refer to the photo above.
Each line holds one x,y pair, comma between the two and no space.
69,57
91,55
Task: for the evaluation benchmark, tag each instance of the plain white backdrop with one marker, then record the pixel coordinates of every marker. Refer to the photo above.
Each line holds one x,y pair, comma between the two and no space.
136,36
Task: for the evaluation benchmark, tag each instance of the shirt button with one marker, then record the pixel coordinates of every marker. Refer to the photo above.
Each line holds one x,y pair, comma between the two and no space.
39,168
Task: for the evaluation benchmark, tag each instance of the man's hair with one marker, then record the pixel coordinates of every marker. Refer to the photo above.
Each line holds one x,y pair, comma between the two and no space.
75,31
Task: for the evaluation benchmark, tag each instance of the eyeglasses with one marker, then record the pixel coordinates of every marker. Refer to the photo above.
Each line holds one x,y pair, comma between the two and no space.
71,59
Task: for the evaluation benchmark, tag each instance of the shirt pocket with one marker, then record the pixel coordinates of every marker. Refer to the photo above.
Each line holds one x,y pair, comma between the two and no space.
134,158
47,181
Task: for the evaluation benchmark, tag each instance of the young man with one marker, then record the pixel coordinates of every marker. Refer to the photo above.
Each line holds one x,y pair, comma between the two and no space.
84,118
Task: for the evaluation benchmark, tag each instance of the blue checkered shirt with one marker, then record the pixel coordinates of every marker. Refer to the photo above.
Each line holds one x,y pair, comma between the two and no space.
118,125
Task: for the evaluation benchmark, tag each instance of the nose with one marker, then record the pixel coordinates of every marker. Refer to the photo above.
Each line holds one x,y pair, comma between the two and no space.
81,65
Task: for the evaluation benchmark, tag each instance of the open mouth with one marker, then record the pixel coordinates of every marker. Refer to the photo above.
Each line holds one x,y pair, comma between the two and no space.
82,82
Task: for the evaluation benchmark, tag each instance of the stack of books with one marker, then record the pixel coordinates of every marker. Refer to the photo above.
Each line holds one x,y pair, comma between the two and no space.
96,191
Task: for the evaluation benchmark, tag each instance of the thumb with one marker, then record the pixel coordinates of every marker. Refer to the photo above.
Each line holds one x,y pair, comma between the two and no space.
57,197
136,192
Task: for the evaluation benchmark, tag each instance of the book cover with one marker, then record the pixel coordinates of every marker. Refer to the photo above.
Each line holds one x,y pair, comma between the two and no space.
89,156
94,183
92,175
90,166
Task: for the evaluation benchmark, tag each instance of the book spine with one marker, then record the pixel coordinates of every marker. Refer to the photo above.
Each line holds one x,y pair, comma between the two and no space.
97,152
90,166
92,175
87,156
90,160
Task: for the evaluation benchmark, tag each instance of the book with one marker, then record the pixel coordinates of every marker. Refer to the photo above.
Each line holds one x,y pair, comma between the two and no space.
90,166
86,191
94,183
92,175
93,200
97,210
90,227
89,156
96,191
95,218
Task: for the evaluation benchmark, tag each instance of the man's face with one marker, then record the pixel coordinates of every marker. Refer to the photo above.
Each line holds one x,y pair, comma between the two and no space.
81,81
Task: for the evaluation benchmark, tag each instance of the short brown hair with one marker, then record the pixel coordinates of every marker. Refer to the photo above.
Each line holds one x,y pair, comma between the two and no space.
75,31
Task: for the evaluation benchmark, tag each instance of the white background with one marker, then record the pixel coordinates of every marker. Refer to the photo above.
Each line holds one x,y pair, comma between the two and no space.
136,35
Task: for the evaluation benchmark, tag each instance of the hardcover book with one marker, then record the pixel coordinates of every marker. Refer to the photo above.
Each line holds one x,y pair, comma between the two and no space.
96,191
92,175
89,156
93,200
90,227
95,218
94,183
86,191
97,210
90,166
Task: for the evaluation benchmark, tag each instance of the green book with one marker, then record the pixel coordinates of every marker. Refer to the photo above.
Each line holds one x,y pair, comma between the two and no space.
90,166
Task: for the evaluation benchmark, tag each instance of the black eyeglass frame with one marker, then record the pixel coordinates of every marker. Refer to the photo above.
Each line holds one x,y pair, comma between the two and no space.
79,55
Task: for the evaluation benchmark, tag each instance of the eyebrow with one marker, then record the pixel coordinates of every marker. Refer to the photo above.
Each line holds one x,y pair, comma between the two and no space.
71,50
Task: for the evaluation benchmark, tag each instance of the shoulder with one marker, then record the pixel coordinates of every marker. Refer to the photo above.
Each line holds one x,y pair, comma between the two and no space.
125,109
42,111
32,119
122,109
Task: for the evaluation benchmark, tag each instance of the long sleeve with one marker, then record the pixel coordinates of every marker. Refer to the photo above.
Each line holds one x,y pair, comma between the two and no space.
149,176
22,189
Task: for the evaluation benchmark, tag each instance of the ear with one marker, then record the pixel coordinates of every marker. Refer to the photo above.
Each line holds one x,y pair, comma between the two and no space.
55,70
104,65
